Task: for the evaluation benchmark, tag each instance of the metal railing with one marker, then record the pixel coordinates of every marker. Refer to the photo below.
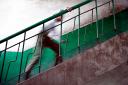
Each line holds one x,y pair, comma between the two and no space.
4,79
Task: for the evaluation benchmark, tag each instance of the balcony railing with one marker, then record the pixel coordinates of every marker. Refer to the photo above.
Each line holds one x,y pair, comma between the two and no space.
21,44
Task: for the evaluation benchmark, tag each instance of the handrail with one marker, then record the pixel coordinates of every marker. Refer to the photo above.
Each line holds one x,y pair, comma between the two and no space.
45,20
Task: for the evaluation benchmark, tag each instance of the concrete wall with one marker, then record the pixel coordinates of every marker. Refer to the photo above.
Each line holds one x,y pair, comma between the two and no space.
87,65
117,76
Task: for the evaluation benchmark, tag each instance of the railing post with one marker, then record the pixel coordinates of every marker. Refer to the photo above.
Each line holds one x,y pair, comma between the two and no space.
97,24
113,12
3,62
79,30
22,54
102,31
74,25
92,16
60,35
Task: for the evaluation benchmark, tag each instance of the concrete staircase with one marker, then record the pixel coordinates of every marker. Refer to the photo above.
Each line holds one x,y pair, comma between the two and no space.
95,65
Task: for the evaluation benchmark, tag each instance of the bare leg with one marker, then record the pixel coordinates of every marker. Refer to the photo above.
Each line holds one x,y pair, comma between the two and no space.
55,47
47,42
29,67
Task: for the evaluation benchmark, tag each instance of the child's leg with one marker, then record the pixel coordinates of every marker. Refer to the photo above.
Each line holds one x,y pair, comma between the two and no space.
29,67
48,42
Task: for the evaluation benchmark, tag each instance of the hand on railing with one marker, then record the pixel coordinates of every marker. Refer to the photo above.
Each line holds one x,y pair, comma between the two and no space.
69,9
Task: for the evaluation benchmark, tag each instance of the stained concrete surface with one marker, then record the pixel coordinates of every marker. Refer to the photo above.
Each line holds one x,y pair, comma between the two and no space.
118,76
